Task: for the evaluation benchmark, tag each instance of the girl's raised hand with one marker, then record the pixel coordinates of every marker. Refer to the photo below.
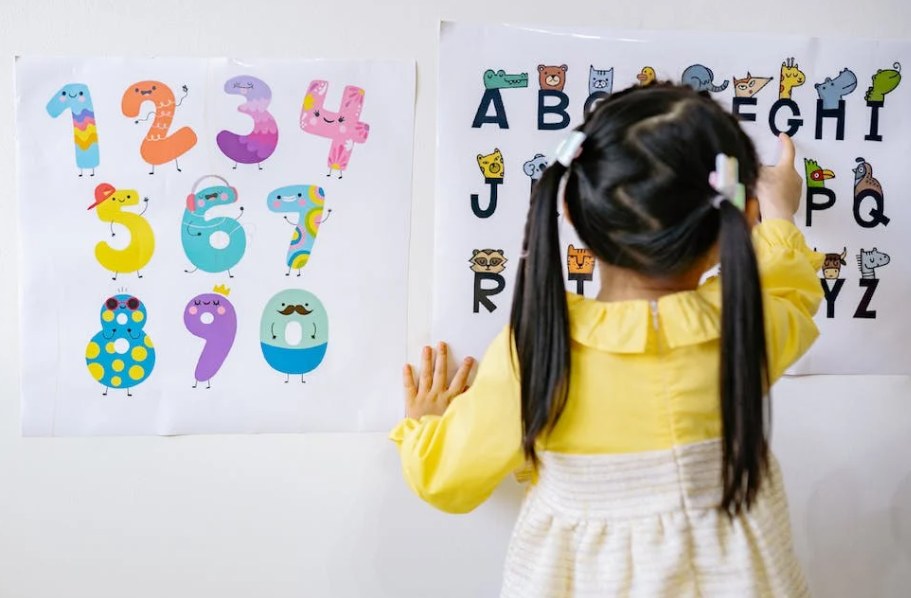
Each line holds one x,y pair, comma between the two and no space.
433,391
779,186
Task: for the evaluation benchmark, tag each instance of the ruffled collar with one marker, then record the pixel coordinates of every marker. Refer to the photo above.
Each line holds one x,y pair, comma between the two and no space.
685,318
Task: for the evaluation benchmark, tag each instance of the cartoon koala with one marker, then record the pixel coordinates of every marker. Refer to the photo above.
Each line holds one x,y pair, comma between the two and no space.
552,77
492,164
491,261
535,167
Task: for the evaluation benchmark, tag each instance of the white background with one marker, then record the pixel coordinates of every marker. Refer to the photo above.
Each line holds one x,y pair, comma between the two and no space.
328,515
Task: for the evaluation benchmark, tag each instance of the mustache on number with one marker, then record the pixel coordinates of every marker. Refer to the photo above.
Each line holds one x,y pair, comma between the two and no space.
295,308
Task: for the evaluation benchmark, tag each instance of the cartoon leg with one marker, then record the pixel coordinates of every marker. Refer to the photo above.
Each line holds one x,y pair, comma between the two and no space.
288,273
234,167
229,273
129,394
302,379
208,384
190,271
260,165
114,277
195,382
328,174
153,169
298,273
80,172
93,172
287,378
138,273
105,393
177,165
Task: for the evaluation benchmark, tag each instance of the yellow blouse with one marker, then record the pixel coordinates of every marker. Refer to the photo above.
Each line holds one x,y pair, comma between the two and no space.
640,381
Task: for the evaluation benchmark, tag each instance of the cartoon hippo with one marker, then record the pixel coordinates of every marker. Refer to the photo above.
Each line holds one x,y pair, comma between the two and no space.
294,332
884,81
701,78
831,91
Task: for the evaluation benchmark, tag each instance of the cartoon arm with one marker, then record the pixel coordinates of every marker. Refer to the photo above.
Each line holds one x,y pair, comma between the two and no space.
186,92
241,213
113,234
147,117
313,336
189,232
288,221
328,213
272,329
145,207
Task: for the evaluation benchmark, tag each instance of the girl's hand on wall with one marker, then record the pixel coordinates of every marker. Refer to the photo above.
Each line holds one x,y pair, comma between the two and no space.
432,394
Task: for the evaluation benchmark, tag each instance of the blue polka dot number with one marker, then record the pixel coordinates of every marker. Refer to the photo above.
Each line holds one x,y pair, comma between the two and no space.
121,355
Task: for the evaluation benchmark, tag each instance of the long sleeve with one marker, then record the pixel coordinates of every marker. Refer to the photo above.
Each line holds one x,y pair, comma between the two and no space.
791,292
455,461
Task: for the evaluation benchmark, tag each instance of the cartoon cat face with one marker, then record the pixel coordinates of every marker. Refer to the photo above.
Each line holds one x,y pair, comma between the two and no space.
491,165
490,261
535,167
580,260
552,77
749,85
600,81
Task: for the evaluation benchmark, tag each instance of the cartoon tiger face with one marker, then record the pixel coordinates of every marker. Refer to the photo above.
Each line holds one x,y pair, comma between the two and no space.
491,164
580,260
490,261
552,77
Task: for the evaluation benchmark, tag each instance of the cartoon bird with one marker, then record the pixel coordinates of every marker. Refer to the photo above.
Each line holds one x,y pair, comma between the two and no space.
864,179
816,176
646,76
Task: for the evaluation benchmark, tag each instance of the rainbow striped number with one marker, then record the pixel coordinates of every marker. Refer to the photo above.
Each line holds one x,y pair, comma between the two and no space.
76,98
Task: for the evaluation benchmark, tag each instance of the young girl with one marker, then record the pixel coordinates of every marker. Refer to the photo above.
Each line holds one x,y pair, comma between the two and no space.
644,413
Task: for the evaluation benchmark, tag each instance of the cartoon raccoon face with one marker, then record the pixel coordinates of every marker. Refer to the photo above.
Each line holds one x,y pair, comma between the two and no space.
491,261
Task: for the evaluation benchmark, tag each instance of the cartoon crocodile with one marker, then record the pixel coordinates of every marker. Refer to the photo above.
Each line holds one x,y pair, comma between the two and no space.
501,80
701,78
831,91
884,81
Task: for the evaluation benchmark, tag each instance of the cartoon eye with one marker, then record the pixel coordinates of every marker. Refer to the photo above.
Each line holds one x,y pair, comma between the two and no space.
306,305
128,196
299,195
316,113
495,261
481,261
196,302
216,302
278,197
136,90
133,303
154,88
63,93
341,119
283,304
111,303
80,93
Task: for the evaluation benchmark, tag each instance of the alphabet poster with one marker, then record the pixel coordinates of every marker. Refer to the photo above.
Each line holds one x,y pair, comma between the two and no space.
212,245
509,95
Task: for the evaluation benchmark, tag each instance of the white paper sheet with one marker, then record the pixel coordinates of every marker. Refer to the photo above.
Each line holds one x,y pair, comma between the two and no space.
868,325
345,329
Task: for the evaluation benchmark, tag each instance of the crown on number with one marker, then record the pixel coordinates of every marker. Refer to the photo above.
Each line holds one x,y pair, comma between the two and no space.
222,290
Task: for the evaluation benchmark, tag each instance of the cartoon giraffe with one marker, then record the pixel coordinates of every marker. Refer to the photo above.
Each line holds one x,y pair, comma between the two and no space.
110,203
76,98
791,77
158,147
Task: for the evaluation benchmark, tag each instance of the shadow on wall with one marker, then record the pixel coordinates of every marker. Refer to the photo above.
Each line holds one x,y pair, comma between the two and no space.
854,552
419,551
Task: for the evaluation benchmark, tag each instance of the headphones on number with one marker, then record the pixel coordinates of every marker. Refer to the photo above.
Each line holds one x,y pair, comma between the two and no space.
191,198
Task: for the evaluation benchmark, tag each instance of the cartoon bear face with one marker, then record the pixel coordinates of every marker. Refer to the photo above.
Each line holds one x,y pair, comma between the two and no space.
492,164
552,77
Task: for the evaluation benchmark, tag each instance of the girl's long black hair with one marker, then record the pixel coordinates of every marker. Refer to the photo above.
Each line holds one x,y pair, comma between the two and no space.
639,197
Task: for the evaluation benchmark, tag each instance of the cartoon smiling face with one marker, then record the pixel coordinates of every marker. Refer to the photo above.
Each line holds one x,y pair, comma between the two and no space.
204,199
73,96
316,119
211,310
250,87
144,91
295,199
123,315
294,319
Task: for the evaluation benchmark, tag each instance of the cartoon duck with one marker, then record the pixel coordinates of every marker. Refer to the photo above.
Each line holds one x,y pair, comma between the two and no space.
121,355
294,332
646,76
109,204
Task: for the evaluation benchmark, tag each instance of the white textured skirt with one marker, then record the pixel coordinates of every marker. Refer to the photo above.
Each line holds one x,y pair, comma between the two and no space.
648,525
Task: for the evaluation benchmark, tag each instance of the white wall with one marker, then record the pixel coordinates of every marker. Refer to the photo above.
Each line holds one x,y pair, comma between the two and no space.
283,516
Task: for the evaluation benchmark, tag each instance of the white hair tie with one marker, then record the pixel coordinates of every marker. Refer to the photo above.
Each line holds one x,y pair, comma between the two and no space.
725,180
570,148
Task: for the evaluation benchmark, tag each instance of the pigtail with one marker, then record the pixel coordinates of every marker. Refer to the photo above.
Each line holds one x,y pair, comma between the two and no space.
540,316
744,368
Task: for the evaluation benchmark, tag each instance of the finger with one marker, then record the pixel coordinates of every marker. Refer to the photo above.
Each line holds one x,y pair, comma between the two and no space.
787,150
441,368
411,389
460,381
426,370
